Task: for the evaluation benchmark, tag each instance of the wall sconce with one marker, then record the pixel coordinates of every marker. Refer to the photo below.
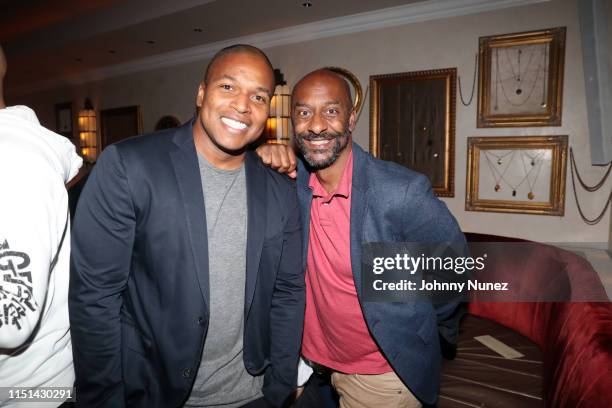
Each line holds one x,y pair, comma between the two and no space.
88,132
278,126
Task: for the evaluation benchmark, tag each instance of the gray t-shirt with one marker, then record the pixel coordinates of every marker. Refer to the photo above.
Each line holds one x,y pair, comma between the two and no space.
222,379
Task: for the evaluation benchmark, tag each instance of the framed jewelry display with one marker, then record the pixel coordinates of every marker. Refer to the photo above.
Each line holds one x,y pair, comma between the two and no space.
517,174
412,122
521,79
63,119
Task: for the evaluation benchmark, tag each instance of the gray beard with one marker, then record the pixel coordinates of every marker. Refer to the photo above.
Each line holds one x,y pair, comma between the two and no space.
337,148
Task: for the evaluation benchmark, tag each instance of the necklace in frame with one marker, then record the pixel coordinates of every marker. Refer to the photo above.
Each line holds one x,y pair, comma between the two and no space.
497,175
536,165
518,77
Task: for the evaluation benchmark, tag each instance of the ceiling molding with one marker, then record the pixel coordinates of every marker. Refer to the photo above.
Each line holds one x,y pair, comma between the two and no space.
384,18
122,15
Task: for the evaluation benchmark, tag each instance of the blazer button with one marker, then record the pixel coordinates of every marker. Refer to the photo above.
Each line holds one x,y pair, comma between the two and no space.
187,373
201,321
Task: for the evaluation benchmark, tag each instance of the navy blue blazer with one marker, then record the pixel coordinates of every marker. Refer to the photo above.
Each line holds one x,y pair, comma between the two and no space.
390,203
139,290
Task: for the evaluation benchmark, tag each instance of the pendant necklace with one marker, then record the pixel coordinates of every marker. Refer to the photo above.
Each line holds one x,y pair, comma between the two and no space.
501,157
535,164
519,79
497,175
519,90
517,75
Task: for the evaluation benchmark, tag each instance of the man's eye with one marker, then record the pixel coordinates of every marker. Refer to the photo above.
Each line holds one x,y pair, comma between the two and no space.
332,111
302,113
227,87
259,98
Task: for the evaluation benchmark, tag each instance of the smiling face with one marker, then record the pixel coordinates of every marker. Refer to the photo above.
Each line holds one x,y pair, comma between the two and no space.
323,118
234,104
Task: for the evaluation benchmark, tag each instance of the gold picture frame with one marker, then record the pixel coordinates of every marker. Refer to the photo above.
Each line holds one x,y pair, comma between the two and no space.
412,122
517,174
354,81
521,79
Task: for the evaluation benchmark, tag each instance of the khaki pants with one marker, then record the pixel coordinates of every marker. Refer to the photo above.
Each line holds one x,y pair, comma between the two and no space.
373,391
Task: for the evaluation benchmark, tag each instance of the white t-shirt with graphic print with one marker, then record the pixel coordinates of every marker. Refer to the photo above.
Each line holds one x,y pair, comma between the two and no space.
35,164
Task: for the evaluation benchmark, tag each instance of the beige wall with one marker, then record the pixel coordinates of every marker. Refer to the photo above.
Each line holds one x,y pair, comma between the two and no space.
434,44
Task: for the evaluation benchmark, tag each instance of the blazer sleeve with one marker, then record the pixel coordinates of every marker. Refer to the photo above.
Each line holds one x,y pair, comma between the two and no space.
102,242
287,312
433,222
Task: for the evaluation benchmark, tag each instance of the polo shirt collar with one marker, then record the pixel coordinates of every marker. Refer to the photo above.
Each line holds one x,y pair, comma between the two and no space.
344,186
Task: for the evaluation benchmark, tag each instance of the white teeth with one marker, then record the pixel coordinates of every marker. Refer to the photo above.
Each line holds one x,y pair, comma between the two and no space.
234,124
319,142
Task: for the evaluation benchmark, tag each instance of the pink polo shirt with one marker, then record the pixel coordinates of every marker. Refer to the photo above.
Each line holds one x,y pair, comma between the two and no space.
335,332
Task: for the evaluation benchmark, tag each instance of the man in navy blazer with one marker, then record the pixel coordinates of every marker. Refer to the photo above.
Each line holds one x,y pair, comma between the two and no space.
164,281
378,353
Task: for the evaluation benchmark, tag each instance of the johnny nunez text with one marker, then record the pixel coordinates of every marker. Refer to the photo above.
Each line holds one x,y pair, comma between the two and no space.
434,285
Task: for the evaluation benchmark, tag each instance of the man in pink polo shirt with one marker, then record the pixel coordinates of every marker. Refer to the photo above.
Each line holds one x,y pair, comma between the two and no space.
379,354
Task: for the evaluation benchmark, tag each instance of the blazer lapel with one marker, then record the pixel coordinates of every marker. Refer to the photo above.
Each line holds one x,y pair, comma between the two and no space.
359,204
305,198
185,162
257,193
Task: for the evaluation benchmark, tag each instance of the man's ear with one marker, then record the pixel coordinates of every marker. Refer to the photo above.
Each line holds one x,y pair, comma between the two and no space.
201,94
352,121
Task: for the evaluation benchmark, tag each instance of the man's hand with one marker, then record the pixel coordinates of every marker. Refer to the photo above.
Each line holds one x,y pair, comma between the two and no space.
280,157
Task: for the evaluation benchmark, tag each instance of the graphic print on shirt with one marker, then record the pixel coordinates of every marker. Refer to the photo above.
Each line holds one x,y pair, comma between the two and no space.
16,291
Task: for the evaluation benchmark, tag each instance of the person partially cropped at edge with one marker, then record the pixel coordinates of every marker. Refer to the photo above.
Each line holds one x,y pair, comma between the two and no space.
379,354
187,287
35,347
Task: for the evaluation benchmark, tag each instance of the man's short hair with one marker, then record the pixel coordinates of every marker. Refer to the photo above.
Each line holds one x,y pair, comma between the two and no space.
233,49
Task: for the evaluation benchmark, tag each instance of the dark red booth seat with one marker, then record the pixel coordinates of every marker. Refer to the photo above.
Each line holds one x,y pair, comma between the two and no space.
574,338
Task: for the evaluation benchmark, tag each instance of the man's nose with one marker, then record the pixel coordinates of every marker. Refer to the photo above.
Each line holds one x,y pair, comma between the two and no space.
242,103
318,124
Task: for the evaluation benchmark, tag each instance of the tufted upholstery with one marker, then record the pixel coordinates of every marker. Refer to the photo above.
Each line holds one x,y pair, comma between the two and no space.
574,339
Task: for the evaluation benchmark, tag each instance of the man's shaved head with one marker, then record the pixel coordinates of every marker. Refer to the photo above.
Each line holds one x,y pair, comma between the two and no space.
327,75
236,49
2,74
